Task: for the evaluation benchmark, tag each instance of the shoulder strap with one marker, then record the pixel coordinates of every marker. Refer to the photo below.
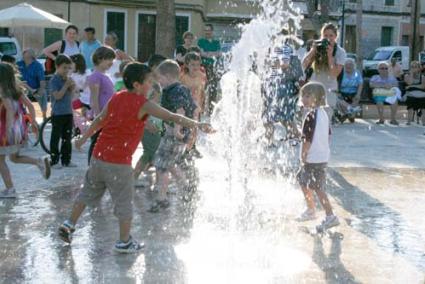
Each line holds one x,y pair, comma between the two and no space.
78,43
63,46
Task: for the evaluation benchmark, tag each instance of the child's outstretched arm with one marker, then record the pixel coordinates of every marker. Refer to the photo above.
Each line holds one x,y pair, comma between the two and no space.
27,103
95,126
304,151
162,113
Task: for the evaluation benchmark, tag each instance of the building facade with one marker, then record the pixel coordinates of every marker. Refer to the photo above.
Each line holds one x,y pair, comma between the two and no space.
385,22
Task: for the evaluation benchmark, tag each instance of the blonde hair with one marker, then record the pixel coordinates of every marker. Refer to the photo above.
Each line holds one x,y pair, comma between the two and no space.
317,91
169,68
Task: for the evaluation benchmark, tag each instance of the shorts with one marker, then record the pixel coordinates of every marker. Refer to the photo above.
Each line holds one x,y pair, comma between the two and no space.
117,178
77,104
169,152
313,176
150,144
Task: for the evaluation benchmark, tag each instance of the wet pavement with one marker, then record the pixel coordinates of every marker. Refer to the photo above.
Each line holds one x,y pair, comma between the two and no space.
235,235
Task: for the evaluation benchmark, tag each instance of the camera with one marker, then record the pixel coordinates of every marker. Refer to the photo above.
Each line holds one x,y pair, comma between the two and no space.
322,45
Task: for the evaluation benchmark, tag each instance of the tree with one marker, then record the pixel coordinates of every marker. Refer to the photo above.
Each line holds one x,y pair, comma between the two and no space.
359,23
415,15
165,28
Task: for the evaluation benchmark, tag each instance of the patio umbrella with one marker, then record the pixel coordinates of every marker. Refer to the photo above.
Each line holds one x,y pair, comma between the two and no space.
25,15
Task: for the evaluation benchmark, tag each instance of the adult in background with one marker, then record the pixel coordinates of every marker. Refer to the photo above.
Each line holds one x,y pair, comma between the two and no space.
327,59
89,46
385,91
395,69
210,51
111,40
68,46
181,50
415,92
32,73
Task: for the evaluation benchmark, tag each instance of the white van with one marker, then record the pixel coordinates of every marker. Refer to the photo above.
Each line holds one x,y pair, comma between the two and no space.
10,46
401,53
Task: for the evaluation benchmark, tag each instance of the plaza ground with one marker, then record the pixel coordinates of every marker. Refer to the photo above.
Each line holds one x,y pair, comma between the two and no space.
376,184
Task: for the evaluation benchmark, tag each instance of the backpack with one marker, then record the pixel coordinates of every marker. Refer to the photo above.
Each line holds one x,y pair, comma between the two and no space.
49,65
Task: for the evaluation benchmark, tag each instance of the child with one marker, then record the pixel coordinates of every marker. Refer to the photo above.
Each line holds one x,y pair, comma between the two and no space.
100,84
281,93
154,129
80,75
12,129
315,154
193,78
122,123
177,99
61,89
119,83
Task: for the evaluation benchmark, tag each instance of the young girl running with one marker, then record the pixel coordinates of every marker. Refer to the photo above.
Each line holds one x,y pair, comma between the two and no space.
12,129
315,154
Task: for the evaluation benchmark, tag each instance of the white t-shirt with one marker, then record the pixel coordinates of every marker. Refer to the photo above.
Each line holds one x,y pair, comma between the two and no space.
81,85
316,130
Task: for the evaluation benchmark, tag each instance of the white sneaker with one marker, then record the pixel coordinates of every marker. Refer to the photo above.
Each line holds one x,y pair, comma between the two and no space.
329,222
44,166
8,193
56,166
308,215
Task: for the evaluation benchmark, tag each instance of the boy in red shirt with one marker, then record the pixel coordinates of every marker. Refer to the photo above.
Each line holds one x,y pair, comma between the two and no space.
122,122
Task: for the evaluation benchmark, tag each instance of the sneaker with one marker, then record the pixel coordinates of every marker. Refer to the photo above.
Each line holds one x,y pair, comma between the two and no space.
394,122
70,165
56,166
380,122
43,165
308,215
8,193
158,205
131,246
65,231
329,222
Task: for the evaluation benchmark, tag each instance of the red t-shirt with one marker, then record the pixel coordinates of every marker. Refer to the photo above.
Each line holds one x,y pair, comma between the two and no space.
122,129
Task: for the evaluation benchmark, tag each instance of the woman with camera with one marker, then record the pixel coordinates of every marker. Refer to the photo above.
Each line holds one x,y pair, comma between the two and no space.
327,59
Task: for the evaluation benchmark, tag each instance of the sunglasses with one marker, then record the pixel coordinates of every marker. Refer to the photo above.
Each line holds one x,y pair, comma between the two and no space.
385,68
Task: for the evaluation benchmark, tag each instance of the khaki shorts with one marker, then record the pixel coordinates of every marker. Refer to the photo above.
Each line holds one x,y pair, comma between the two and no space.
117,178
169,153
313,176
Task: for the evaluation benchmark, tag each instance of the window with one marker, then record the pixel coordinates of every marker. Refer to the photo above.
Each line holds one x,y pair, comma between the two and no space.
116,22
389,2
4,31
8,48
182,25
51,36
386,36
405,40
397,55
350,38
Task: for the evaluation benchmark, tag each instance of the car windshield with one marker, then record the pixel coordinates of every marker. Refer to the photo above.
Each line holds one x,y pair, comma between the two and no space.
380,55
8,48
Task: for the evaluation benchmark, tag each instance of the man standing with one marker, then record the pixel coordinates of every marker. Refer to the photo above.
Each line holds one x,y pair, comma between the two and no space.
33,75
210,51
89,45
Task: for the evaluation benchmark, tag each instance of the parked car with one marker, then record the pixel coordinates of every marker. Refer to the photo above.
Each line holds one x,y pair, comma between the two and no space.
401,53
10,46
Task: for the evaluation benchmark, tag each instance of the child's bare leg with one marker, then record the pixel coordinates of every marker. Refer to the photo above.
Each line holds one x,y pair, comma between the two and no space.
21,159
380,107
125,226
324,201
140,167
179,176
5,172
77,210
309,198
394,110
162,181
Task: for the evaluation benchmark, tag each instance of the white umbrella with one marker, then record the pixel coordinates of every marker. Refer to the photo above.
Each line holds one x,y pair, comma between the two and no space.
25,15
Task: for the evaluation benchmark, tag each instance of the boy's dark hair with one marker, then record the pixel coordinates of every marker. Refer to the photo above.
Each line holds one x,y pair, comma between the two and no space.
62,59
135,72
103,53
71,27
124,64
8,59
90,30
194,49
80,63
210,26
169,68
191,56
155,59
